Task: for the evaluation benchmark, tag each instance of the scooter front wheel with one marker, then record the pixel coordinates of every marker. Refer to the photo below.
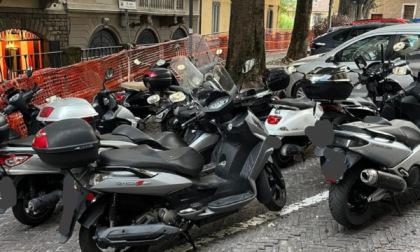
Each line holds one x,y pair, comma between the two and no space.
277,188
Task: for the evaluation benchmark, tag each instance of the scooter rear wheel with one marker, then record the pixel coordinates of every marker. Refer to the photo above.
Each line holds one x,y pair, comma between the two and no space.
347,200
24,216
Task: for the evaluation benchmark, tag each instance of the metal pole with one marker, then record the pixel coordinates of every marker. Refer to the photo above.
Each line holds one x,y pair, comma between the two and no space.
128,28
190,30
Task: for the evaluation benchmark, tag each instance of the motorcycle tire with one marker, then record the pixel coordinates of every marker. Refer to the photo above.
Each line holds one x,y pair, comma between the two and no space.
87,244
350,211
278,190
27,218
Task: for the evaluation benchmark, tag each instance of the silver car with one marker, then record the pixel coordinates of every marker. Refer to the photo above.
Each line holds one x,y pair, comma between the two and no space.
368,45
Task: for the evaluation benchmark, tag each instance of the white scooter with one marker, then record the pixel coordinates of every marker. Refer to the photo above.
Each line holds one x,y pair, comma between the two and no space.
288,120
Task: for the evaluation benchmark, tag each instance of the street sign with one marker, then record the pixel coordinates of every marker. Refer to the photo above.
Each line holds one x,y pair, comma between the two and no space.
128,4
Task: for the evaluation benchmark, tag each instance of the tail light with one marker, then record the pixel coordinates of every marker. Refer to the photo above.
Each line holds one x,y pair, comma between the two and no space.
46,112
273,119
312,46
88,119
149,74
119,97
330,180
13,160
40,140
332,108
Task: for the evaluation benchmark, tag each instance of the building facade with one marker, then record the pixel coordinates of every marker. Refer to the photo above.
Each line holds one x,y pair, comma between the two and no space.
406,9
31,29
215,15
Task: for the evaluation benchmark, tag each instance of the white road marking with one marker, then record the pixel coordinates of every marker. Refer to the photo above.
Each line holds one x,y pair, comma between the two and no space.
254,221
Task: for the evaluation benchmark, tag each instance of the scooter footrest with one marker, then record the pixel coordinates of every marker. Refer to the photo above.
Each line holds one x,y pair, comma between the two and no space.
230,200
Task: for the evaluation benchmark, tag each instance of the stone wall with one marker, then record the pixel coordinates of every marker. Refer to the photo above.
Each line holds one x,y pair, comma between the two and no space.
50,26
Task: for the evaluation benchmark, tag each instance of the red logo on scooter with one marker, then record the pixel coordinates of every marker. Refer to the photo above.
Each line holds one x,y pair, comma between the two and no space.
140,182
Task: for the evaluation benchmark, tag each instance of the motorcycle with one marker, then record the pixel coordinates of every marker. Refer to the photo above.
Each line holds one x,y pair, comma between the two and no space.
162,194
378,157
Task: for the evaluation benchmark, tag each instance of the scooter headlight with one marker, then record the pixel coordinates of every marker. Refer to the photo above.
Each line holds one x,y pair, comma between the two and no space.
347,142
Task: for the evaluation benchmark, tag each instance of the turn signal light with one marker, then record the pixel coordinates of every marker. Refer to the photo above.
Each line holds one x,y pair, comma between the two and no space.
46,112
119,97
40,140
273,119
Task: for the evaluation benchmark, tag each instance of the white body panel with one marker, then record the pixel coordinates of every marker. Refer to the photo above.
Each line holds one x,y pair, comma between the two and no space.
68,108
293,122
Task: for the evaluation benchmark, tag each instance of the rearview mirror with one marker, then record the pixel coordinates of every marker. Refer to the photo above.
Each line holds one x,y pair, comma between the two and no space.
109,73
248,66
360,62
176,47
29,71
400,46
177,97
160,62
219,51
153,99
401,71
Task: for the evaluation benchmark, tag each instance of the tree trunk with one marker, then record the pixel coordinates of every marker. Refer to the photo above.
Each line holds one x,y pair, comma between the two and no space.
367,7
344,7
246,40
299,42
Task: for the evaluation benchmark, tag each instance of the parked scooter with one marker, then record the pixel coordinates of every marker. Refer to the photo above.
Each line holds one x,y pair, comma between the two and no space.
20,100
163,195
381,157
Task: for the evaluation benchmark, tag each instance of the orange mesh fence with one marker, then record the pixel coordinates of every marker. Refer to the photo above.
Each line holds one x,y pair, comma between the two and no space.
84,79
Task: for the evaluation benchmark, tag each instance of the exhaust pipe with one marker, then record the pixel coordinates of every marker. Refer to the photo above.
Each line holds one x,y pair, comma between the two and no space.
127,236
387,181
45,201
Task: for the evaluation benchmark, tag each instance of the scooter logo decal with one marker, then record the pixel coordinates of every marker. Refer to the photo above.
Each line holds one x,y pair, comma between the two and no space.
322,135
132,183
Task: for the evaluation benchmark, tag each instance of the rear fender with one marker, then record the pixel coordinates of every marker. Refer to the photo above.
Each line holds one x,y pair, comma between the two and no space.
94,211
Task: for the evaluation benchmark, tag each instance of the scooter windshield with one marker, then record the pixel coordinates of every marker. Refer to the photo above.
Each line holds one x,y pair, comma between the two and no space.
413,61
212,76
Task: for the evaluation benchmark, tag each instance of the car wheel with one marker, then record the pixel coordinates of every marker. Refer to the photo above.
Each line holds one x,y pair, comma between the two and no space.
298,91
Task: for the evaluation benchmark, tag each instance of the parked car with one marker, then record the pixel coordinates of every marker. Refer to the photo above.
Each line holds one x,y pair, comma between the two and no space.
341,34
366,45
387,20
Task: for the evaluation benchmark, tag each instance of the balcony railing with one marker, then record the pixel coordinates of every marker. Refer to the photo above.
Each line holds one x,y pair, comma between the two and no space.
99,52
163,4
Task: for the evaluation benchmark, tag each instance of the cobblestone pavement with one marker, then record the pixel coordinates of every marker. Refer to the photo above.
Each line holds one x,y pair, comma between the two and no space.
310,228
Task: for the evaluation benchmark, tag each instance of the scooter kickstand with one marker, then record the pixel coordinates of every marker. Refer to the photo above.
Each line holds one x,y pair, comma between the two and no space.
396,204
189,239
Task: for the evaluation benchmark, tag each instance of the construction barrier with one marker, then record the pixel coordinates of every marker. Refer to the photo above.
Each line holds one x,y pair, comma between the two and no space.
84,79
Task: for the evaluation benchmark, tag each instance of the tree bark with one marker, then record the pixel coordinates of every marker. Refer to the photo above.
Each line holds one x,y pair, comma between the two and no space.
299,42
246,40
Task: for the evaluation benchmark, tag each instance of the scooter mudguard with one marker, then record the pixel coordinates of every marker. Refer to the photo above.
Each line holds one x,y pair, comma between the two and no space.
8,193
73,203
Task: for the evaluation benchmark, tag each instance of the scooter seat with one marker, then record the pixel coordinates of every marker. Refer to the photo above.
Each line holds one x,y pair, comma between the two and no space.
404,131
300,103
24,142
134,85
183,161
163,140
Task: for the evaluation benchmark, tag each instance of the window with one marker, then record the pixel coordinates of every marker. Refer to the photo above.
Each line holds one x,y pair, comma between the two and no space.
103,38
412,42
215,17
356,32
270,19
408,11
376,16
147,37
369,48
342,35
